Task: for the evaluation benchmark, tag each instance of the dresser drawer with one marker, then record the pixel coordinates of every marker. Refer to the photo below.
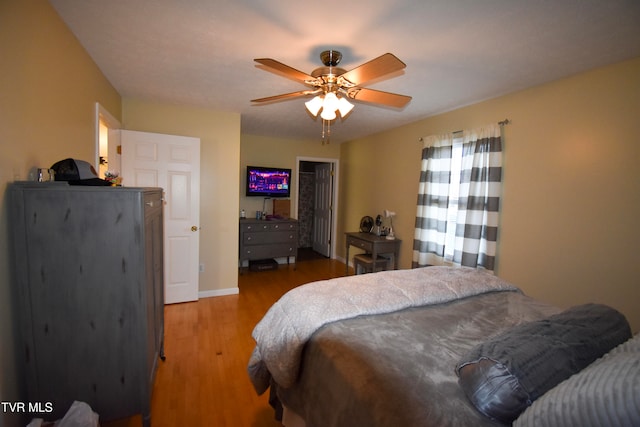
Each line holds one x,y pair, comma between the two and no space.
259,238
254,226
260,226
268,251
291,226
152,203
364,245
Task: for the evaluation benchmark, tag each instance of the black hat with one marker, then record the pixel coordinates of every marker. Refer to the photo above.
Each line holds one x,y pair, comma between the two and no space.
77,172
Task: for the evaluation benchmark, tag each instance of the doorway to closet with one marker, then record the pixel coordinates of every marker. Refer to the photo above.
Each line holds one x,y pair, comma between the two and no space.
316,207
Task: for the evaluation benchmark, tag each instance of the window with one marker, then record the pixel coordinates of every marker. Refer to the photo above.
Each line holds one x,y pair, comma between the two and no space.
457,213
454,197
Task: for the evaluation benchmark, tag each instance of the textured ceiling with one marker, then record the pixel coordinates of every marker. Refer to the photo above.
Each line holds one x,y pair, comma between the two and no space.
200,52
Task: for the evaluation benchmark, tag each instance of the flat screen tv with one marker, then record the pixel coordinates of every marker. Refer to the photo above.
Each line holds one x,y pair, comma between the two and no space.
268,182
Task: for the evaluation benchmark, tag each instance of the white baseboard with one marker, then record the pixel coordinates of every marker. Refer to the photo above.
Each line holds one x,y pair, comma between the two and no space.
218,292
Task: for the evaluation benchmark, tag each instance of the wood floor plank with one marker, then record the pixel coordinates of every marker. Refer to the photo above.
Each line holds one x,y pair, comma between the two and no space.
208,343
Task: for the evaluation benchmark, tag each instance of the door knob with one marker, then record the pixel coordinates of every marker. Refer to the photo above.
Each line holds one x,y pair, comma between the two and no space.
194,228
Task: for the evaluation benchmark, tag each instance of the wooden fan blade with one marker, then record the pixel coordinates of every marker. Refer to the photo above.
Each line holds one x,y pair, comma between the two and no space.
283,96
378,67
285,69
379,97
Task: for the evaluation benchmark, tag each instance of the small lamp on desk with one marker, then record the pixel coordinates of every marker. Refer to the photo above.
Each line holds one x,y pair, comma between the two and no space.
389,214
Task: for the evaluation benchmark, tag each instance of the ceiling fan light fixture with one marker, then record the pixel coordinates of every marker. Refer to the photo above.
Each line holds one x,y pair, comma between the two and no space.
330,102
314,105
328,114
344,107
332,86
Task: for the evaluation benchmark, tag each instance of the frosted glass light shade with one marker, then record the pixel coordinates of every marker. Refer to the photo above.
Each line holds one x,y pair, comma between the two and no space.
330,102
314,105
344,107
328,114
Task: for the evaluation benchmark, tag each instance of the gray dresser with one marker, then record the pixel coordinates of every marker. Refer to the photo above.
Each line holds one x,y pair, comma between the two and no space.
89,277
268,239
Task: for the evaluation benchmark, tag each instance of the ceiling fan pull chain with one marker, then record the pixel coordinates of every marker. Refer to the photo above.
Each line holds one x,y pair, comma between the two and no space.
326,137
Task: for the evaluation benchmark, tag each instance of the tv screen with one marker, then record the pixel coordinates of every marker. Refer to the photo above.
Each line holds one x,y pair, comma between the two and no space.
268,182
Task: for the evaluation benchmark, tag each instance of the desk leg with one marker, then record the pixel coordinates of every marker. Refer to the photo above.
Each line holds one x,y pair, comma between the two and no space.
396,255
374,256
346,268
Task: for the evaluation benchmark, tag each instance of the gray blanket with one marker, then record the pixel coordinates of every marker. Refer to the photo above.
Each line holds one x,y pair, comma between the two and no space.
398,369
282,333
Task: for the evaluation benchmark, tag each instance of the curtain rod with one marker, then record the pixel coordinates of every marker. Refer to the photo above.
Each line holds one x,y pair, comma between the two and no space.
501,123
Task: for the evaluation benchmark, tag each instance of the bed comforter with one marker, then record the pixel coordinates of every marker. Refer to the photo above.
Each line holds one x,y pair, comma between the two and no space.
398,369
284,330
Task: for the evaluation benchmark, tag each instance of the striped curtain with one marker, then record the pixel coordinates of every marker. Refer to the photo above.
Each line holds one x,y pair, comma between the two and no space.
476,194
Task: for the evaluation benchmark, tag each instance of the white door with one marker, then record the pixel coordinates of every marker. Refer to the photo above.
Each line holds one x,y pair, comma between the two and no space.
322,209
172,163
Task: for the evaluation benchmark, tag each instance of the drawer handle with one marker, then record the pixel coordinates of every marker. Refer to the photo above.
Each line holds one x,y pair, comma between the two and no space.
248,237
277,226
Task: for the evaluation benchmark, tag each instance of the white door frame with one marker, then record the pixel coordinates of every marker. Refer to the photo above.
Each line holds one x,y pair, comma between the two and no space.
112,123
336,186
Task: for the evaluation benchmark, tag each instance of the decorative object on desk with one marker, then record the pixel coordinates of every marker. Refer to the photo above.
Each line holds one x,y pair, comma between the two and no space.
378,225
390,214
366,224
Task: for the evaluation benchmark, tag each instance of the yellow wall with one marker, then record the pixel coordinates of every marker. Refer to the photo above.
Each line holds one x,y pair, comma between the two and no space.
48,90
219,134
282,153
571,199
571,168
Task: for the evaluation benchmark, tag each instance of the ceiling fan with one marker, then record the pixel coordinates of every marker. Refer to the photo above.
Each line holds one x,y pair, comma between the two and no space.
332,85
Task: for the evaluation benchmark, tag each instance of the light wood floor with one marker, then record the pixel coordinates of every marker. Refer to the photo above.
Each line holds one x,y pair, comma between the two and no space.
208,343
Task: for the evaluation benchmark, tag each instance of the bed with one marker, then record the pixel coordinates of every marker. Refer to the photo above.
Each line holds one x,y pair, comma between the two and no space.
389,348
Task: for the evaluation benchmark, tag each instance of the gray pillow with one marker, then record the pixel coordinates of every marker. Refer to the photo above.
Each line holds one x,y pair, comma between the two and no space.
604,394
505,374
